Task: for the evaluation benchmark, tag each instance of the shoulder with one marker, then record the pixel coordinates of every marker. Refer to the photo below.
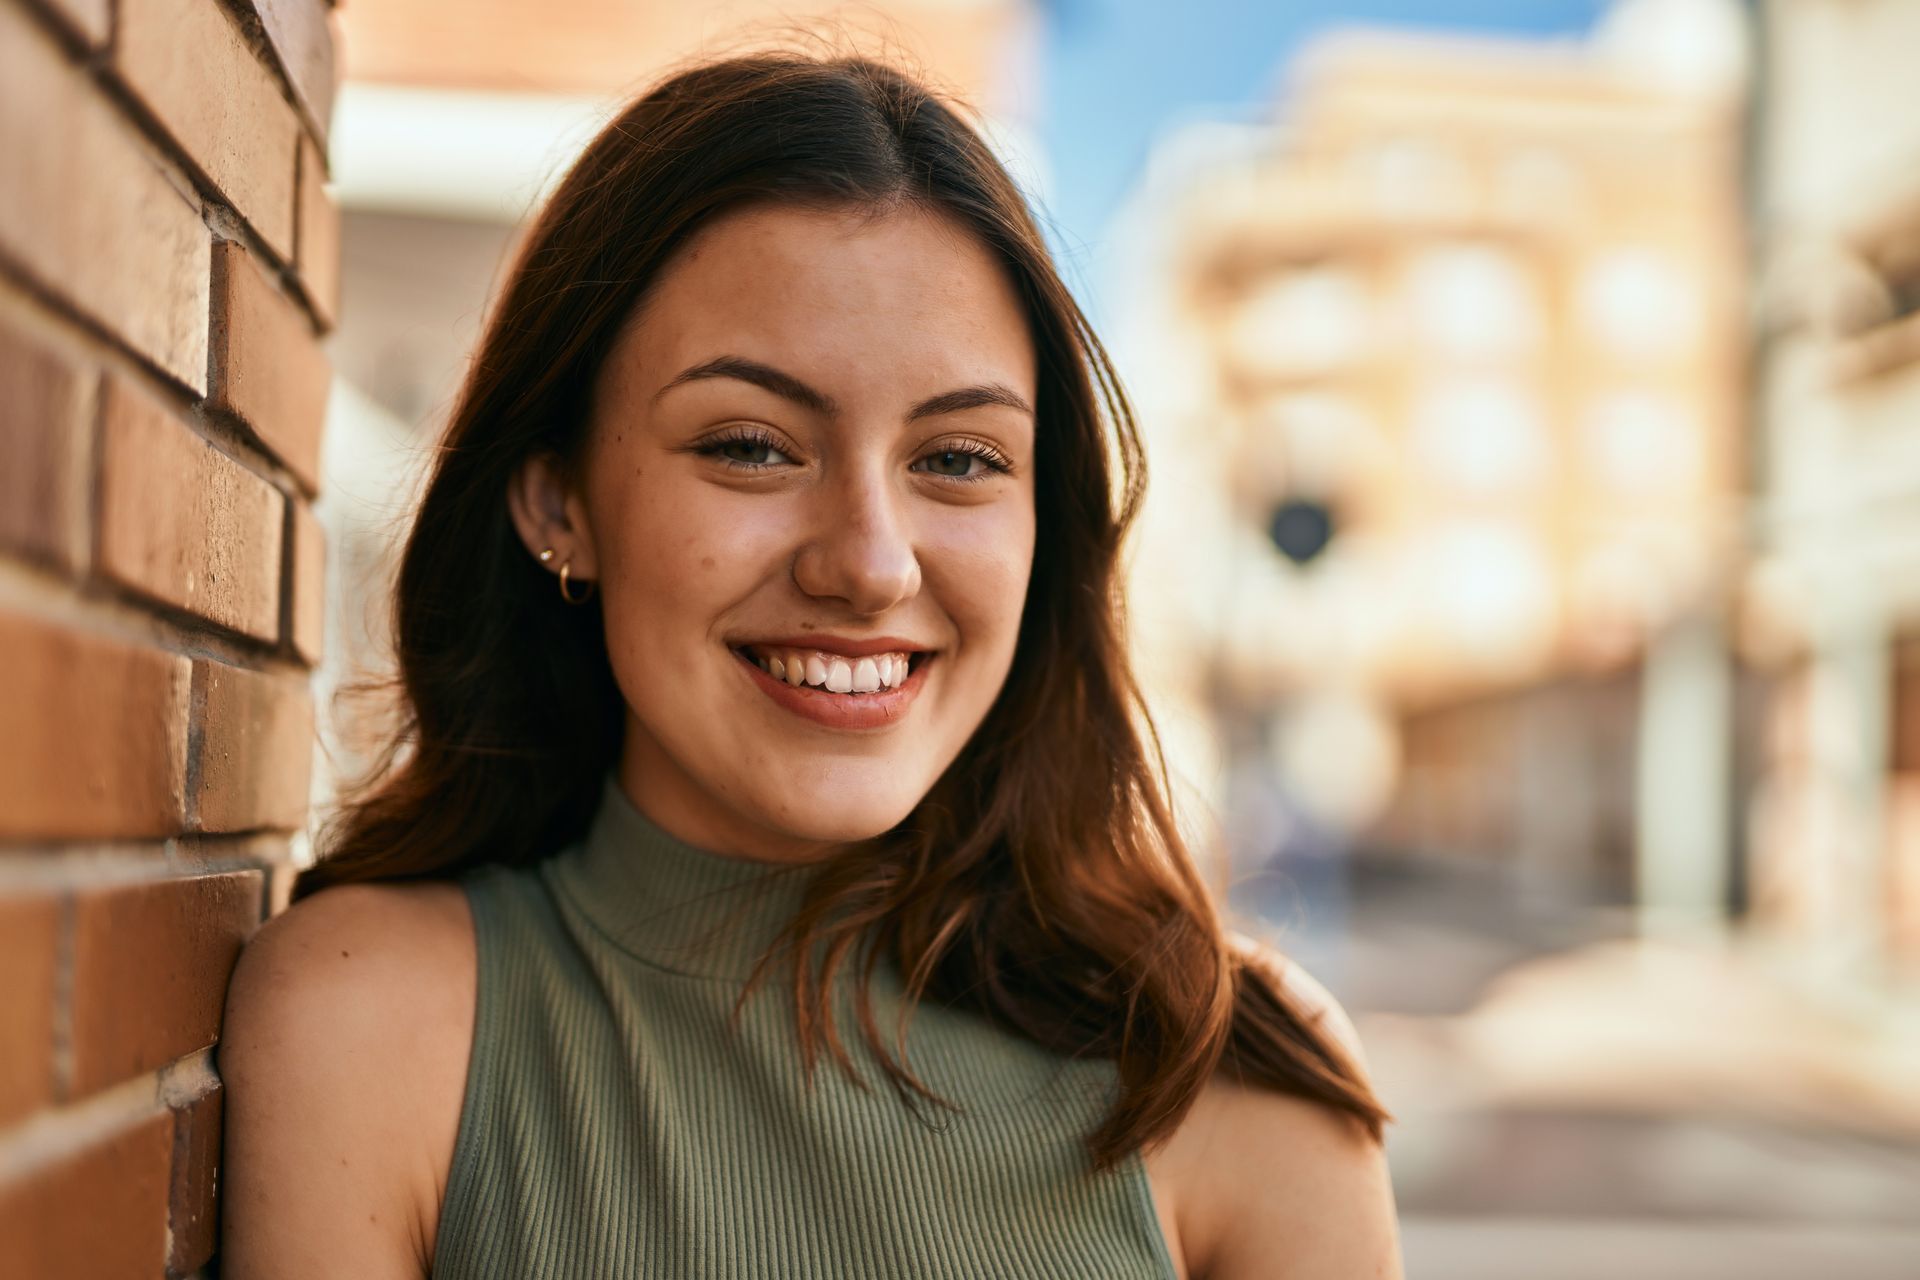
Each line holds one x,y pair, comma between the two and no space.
343,1055
347,959
1307,991
1267,1183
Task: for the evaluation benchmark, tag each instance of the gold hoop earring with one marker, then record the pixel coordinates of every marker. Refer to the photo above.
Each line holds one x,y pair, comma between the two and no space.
566,566
566,595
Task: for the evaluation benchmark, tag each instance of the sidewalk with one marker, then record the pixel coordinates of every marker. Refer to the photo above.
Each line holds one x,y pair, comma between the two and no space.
1573,1102
1643,1028
1628,1091
1571,1249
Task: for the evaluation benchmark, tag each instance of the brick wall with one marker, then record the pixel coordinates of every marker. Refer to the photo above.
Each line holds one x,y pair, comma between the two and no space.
168,271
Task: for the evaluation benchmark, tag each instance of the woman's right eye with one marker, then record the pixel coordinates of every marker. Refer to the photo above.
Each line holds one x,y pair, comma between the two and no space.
744,452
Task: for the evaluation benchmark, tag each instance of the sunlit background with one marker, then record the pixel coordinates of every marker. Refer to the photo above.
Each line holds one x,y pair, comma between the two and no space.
1529,588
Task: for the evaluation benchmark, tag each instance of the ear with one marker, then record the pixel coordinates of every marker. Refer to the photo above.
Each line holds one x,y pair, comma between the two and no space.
549,512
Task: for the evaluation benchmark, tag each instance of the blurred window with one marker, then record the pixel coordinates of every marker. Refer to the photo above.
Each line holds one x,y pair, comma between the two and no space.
1906,705
1905,292
1414,177
1538,184
1480,435
1326,440
1637,441
1639,304
1473,301
1489,593
1878,318
1300,322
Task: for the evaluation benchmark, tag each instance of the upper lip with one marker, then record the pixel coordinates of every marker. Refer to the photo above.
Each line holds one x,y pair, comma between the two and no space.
845,646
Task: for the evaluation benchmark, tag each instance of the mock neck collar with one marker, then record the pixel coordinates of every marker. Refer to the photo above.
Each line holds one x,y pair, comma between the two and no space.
672,904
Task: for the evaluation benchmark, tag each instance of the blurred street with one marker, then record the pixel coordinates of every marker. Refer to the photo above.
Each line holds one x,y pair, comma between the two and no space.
1572,1104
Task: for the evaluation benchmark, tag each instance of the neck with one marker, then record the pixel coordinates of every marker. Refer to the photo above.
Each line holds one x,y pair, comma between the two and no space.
677,804
669,902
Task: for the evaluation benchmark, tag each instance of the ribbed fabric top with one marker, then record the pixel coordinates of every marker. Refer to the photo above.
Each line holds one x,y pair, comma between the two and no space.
615,1125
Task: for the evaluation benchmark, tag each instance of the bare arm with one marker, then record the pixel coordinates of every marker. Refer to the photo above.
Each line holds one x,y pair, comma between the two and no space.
337,1058
1285,1188
1303,1194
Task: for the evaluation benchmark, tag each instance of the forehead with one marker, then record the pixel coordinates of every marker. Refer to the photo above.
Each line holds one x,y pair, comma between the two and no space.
904,297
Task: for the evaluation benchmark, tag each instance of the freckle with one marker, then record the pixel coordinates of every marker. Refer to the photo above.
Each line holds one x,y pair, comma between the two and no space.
343,953
706,562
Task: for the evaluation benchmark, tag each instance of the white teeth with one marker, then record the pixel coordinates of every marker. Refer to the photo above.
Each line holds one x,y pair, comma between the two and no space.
836,674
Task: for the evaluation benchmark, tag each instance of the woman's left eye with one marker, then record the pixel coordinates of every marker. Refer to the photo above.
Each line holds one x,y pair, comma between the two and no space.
748,452
963,456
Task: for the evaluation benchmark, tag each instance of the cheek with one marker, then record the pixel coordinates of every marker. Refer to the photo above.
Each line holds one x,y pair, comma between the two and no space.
675,561
979,571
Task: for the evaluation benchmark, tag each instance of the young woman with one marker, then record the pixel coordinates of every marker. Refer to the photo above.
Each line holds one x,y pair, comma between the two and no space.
762,654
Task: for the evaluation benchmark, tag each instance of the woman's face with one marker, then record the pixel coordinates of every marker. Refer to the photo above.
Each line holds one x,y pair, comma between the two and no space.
814,446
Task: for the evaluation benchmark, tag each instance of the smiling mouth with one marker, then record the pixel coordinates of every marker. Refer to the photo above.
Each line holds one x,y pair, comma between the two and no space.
870,694
820,671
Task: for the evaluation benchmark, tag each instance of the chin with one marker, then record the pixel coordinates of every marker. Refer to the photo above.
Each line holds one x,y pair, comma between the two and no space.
837,820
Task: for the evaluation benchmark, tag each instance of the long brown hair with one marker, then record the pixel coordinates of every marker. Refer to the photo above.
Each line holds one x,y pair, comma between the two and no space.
1042,881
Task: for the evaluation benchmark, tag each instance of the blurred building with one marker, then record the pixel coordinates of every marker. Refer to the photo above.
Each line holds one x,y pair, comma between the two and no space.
611,50
1472,325
1503,535
1831,611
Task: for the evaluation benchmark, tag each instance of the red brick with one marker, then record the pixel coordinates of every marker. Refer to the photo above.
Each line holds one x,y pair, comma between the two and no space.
150,969
29,946
194,1200
253,768
268,368
45,403
136,262
181,522
220,103
304,34
101,1211
93,735
318,248
307,618
88,21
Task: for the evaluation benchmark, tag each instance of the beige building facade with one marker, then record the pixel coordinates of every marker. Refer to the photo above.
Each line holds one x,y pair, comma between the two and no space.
1471,319
1832,605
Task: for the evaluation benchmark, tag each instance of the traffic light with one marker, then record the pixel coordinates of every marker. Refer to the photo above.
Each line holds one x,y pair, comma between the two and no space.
1301,528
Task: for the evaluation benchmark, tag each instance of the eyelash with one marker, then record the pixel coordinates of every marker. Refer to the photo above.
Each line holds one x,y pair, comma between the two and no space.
996,464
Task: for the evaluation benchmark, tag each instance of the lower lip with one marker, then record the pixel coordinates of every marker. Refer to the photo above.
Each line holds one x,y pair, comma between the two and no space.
874,710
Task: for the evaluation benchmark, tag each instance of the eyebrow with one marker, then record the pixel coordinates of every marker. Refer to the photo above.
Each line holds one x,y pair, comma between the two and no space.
788,387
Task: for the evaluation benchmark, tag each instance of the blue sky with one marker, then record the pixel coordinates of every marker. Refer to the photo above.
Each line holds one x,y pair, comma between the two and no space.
1117,72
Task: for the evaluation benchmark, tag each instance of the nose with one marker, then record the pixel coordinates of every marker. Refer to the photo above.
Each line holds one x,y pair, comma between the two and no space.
860,549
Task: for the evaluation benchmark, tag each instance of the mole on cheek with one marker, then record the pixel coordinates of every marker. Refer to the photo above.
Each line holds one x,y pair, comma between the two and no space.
706,562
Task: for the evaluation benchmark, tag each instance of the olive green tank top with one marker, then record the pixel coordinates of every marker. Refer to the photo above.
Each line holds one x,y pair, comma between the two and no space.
615,1125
